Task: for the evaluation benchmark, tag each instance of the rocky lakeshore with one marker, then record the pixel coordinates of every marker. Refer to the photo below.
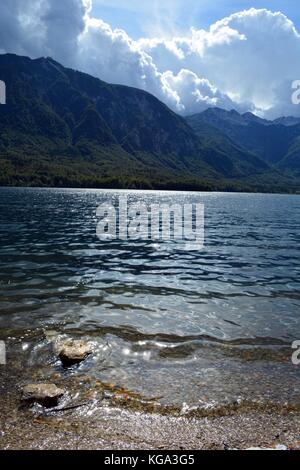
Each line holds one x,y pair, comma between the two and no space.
59,407
104,427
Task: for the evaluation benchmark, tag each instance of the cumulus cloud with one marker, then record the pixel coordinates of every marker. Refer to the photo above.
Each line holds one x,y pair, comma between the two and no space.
246,61
194,94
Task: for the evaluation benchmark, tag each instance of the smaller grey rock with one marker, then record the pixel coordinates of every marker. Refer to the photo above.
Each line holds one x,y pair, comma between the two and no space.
73,352
47,395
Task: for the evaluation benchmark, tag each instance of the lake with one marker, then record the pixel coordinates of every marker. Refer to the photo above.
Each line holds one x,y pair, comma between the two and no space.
191,328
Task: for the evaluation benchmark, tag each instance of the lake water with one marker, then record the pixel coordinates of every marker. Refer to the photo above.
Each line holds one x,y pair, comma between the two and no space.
200,327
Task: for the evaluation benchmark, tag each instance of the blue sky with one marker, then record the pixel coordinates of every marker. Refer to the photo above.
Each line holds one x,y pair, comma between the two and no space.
170,17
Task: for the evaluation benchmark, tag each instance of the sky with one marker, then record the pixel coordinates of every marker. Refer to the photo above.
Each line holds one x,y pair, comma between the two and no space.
191,54
168,17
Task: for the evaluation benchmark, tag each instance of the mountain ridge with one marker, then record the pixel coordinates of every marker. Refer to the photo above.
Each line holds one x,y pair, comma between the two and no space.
62,127
271,141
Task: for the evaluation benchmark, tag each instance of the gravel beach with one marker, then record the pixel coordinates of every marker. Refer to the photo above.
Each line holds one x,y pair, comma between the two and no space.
98,424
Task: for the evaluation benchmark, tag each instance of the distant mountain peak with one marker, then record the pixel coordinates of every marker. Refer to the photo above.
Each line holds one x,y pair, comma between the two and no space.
276,142
288,121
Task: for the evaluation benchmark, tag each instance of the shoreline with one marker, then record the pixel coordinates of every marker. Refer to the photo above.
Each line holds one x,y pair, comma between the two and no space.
155,190
101,424
97,415
116,429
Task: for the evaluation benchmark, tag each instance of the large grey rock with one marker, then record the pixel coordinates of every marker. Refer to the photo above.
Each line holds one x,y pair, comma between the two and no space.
73,351
47,395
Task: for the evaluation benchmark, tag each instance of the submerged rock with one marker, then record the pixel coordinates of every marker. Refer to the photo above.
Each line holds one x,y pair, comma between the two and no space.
73,352
47,395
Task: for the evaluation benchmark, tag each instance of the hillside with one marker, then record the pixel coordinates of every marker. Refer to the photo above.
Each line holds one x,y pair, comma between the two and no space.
274,142
61,127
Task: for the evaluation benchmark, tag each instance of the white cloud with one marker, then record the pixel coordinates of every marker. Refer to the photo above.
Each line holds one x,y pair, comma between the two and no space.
194,94
246,61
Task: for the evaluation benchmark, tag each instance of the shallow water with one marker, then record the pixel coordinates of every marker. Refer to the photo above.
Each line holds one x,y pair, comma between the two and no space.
195,327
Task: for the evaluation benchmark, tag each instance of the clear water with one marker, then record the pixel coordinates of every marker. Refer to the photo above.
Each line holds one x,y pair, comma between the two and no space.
195,327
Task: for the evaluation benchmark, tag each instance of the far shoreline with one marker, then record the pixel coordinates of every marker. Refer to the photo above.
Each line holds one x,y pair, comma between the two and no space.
153,190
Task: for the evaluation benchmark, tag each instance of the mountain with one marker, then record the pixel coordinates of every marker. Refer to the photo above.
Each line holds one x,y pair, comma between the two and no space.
61,127
287,121
231,156
274,142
